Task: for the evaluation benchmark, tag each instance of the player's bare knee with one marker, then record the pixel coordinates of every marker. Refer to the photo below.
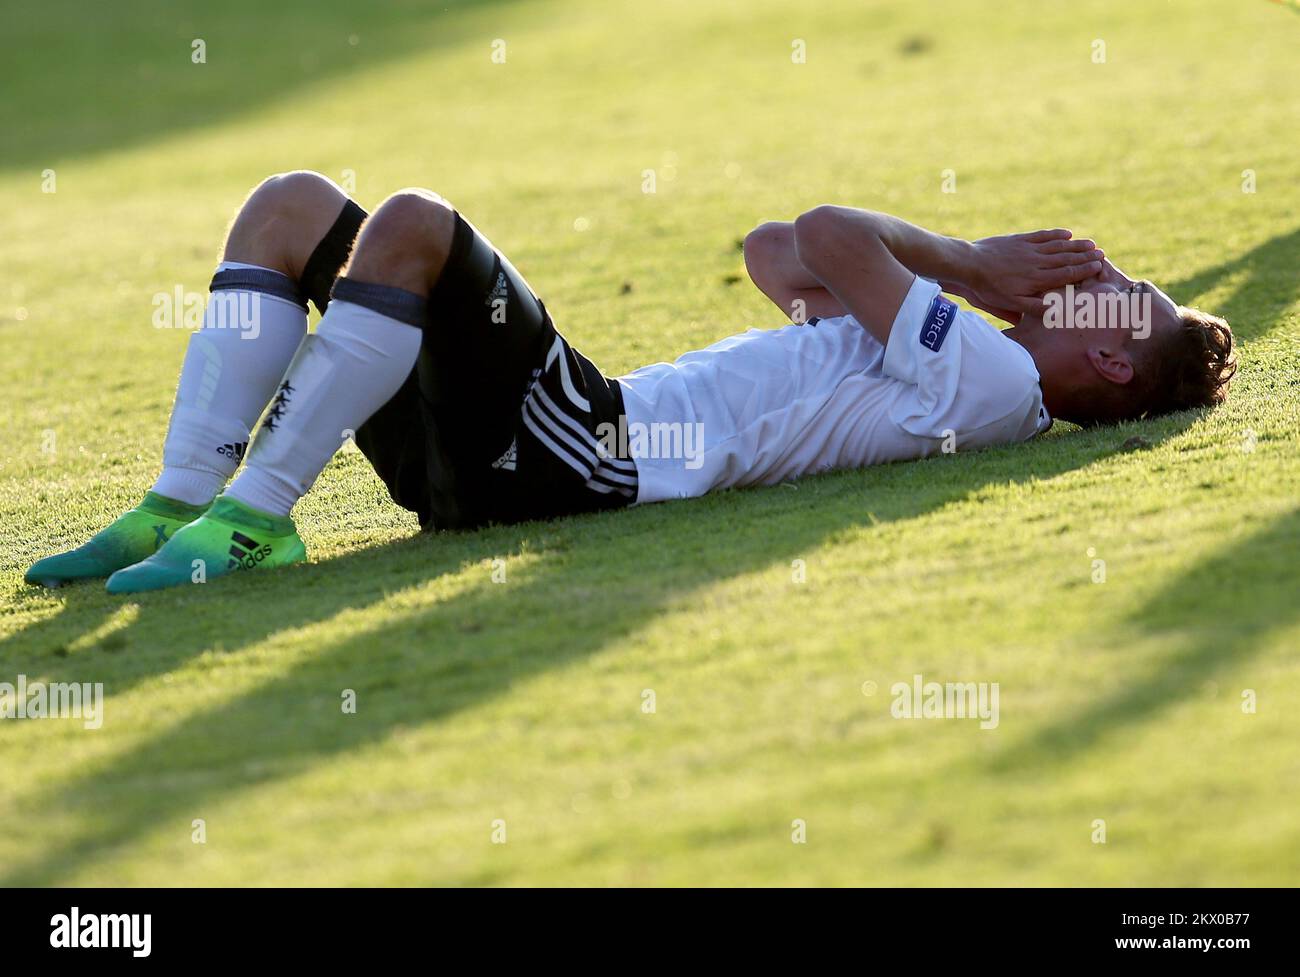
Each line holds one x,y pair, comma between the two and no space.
283,219
406,241
417,218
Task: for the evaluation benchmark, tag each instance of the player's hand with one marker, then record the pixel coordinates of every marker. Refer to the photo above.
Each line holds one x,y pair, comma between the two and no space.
1013,271
974,299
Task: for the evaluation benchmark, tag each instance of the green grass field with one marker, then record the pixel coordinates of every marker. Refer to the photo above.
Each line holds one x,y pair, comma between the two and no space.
523,701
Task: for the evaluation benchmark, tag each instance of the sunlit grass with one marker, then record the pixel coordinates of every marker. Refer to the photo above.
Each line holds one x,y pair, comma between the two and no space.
752,621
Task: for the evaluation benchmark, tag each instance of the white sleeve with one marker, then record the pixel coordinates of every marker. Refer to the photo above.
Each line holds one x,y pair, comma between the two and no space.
967,378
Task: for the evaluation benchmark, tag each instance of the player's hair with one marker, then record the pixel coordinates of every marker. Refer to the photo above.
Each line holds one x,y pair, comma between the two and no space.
1190,367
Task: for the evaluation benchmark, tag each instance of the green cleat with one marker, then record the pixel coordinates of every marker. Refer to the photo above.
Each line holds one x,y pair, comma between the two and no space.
132,537
230,536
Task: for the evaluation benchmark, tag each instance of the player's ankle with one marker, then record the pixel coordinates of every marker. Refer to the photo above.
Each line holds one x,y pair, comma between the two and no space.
263,492
190,486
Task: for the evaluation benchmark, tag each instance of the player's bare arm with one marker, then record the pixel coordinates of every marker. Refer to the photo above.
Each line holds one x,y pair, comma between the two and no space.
867,261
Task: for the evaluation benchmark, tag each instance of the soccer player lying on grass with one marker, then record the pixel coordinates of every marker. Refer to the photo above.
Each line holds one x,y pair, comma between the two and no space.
474,409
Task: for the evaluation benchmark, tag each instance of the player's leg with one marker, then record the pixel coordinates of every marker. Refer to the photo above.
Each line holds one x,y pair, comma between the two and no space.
360,356
277,252
498,422
230,374
368,342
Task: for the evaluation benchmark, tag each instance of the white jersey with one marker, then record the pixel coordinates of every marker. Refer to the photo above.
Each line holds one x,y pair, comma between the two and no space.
773,404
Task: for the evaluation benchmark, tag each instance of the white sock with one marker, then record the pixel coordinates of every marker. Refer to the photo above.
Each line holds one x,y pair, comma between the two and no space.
354,363
252,325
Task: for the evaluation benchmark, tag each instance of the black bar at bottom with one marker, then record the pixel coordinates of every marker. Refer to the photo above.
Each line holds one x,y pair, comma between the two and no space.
302,926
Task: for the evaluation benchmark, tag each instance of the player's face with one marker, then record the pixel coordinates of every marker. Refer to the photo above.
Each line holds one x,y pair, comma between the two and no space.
1107,305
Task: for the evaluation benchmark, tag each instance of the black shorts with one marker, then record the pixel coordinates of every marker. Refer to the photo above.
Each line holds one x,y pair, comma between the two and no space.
501,420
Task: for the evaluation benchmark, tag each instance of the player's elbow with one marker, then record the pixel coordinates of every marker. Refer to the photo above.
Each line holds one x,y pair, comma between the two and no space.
764,246
817,219
767,237
816,232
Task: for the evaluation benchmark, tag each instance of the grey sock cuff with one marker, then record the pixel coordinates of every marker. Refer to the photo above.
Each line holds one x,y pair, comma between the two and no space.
263,280
396,303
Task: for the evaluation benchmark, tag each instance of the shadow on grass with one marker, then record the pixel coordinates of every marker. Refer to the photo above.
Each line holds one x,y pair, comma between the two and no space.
1224,608
1269,286
83,78
597,581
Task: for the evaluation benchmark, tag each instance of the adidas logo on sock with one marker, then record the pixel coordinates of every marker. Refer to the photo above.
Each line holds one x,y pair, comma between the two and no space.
507,461
233,450
246,552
